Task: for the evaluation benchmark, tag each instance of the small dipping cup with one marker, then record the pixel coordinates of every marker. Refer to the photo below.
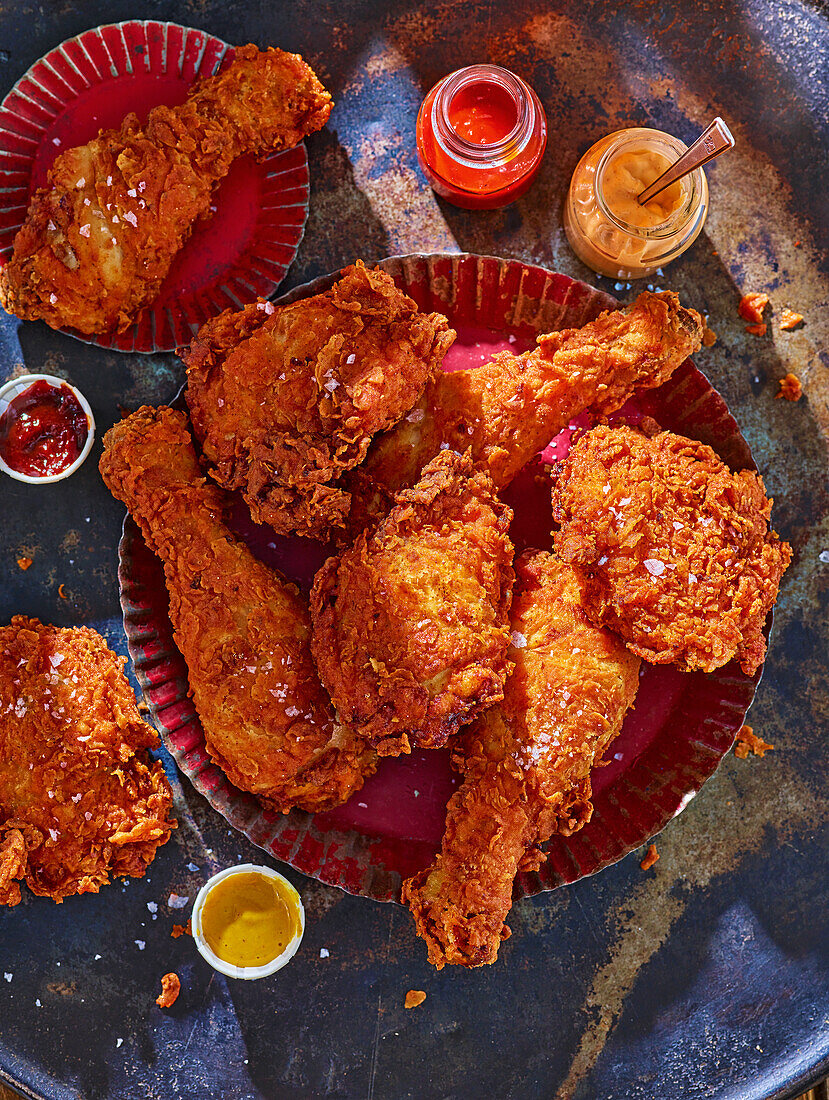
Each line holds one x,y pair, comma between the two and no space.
247,972
17,386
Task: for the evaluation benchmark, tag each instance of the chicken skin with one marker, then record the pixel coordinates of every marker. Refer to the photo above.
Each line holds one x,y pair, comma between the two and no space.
99,240
674,549
411,623
284,399
509,409
81,799
525,764
243,630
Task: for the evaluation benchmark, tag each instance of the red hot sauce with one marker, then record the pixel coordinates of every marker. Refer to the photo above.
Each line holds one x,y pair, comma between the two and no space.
43,430
481,134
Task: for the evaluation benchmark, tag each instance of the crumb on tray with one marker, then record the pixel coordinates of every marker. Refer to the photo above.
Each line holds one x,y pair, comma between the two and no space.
748,742
651,856
170,989
24,563
182,930
790,388
414,998
789,319
751,307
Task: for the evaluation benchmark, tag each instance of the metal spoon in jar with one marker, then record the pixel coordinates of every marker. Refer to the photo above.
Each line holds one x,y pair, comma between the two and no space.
715,139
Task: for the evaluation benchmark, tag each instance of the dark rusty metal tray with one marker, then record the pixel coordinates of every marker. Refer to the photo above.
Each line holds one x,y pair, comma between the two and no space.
704,977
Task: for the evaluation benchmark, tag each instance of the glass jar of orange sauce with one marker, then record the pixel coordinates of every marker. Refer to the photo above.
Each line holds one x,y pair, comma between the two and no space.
606,226
481,134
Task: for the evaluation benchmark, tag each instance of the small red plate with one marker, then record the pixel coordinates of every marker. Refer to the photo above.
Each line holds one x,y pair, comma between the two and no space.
90,83
672,741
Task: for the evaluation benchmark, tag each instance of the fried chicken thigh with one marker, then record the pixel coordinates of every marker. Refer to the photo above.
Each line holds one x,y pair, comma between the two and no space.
674,549
510,408
411,623
285,398
81,799
525,764
242,629
99,240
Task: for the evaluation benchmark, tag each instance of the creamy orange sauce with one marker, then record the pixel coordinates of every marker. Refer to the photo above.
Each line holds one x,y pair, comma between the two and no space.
249,919
627,175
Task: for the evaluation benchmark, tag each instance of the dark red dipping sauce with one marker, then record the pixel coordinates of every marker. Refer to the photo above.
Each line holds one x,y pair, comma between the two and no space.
43,430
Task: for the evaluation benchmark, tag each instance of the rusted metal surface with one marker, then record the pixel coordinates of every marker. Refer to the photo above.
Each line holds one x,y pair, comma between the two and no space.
705,976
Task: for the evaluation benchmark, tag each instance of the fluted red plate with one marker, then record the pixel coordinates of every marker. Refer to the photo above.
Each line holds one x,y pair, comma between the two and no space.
672,741
91,82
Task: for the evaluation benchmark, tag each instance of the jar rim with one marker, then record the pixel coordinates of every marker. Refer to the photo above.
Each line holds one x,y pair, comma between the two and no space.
676,222
473,154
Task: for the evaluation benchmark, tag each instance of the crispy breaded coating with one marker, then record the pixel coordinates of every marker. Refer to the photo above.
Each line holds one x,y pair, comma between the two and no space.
170,989
526,764
241,628
510,408
99,239
284,399
674,549
411,623
81,799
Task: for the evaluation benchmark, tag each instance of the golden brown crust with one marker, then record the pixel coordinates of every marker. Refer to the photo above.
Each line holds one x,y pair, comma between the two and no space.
81,799
410,624
510,408
286,398
674,549
99,239
526,764
243,630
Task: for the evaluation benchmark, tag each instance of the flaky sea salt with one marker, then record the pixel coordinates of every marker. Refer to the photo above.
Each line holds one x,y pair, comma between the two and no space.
654,566
519,640
176,901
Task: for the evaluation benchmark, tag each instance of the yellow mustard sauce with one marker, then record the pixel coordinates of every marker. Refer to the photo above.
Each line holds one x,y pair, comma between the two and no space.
249,919
627,175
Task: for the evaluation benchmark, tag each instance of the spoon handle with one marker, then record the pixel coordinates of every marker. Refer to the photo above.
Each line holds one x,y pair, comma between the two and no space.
715,139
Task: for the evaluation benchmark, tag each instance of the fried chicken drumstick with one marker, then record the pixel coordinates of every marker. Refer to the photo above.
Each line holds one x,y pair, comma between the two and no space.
99,240
284,399
81,799
674,549
525,764
510,408
411,623
242,629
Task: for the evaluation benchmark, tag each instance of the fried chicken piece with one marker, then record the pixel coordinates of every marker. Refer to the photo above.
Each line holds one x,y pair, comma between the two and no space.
284,399
99,240
241,628
674,549
410,624
510,408
526,764
81,799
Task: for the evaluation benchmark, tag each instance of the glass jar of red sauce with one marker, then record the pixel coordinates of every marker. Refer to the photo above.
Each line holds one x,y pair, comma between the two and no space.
481,134
46,428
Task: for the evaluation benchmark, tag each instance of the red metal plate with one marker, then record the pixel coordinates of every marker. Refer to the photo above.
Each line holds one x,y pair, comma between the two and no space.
673,740
91,82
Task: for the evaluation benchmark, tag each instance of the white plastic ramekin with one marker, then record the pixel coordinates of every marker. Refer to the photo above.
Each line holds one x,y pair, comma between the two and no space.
246,972
13,389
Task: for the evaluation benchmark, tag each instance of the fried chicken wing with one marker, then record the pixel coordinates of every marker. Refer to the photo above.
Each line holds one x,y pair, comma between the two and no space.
510,408
411,623
674,549
81,799
99,240
284,399
242,629
526,764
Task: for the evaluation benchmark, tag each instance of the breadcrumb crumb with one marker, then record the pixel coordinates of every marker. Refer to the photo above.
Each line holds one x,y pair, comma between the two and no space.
24,563
182,930
751,307
757,330
790,388
414,998
651,856
709,337
170,989
747,742
789,319
61,593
